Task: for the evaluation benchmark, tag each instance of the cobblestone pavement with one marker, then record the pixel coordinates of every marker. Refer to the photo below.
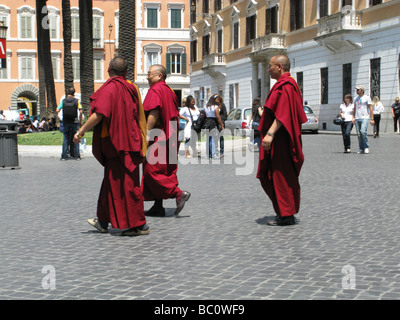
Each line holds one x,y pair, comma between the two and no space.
347,245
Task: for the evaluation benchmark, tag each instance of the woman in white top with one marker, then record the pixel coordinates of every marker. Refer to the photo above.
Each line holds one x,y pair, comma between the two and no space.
346,112
378,109
190,113
213,118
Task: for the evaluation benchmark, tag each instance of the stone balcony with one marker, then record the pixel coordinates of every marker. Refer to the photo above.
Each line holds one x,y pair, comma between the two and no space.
266,46
214,64
340,30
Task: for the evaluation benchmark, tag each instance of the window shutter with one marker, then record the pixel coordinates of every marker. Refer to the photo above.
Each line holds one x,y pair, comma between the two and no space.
183,63
168,56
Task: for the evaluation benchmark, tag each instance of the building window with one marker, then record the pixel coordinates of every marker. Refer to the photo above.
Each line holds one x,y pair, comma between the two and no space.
217,5
76,67
26,70
192,11
152,18
250,28
206,45
97,36
152,58
193,51
347,79
26,19
323,8
300,83
97,69
5,17
271,20
374,2
296,14
75,23
375,80
55,62
219,41
235,35
176,63
347,3
54,22
176,18
206,6
324,85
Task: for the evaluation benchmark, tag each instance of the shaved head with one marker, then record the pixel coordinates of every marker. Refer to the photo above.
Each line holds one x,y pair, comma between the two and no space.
284,60
118,66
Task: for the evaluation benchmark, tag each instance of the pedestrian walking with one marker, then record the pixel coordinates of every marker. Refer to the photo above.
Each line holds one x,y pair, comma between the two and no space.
190,113
363,113
119,144
396,113
160,179
213,124
378,108
281,156
346,112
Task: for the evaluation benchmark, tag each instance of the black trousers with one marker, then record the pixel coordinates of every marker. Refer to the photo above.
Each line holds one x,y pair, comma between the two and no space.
377,119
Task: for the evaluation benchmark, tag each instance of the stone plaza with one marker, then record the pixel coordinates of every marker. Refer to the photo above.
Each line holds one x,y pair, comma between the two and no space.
346,246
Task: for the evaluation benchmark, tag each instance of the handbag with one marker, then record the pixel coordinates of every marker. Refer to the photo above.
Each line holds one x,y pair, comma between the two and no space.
199,123
254,125
338,120
182,124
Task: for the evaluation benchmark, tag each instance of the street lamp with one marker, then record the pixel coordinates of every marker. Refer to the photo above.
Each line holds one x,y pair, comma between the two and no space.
110,27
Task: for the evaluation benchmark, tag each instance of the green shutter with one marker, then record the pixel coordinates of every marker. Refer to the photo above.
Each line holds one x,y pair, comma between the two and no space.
168,56
175,18
151,18
183,63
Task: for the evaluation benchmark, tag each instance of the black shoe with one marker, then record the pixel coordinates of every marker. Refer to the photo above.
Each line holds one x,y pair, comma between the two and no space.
155,211
282,221
137,231
180,201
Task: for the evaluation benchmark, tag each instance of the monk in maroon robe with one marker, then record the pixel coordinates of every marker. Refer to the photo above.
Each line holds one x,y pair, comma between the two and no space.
160,179
119,144
281,155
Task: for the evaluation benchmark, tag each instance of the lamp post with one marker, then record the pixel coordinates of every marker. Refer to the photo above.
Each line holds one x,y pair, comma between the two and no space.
3,52
110,27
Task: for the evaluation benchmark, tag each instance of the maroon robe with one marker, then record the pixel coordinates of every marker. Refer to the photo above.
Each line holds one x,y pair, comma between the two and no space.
279,168
160,179
119,145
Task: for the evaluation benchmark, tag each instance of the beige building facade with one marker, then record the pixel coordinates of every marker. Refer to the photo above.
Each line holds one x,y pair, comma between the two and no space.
162,36
332,44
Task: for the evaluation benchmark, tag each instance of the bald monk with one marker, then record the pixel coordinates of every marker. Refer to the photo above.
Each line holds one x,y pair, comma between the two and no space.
160,179
281,155
119,144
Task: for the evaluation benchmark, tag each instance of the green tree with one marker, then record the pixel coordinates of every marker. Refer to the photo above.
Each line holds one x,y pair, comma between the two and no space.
86,52
127,34
46,78
67,36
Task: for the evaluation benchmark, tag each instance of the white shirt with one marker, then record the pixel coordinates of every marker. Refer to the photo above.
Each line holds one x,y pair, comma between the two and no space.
195,114
347,111
210,111
378,108
361,107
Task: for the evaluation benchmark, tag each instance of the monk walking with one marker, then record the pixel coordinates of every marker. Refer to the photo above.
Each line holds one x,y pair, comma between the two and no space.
281,155
160,168
119,144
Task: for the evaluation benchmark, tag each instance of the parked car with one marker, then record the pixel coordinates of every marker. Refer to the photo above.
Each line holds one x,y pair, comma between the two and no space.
312,123
237,121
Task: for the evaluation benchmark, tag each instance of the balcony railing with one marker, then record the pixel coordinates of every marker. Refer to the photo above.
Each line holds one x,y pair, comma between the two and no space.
342,21
98,44
214,59
270,41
